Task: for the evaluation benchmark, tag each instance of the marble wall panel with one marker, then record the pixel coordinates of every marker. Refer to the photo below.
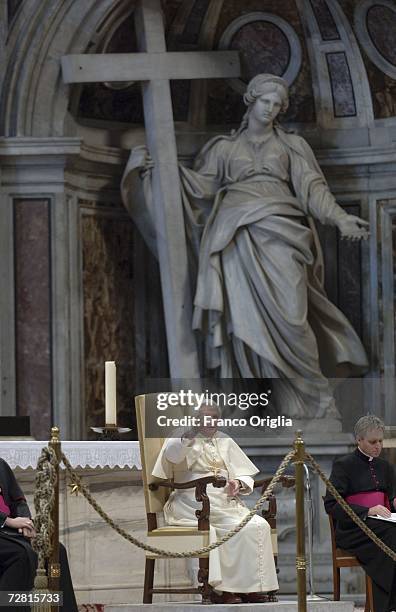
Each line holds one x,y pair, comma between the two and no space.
341,85
123,318
33,313
327,26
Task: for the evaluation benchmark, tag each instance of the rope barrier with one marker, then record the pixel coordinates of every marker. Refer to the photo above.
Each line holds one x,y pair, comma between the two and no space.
44,498
166,553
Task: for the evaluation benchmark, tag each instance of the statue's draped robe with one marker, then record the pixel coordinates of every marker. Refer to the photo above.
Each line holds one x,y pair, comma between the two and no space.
351,474
259,301
245,563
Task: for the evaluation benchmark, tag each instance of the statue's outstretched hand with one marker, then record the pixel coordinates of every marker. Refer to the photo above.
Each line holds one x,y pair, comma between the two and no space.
353,228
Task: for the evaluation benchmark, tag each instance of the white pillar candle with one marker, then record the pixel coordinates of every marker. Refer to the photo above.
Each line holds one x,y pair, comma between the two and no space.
110,393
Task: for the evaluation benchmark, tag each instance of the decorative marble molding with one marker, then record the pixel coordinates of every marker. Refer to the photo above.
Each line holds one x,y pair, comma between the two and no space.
58,145
25,453
324,82
341,84
362,31
295,55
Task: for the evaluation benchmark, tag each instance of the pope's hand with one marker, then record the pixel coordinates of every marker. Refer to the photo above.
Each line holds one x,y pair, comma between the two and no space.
190,435
232,488
380,510
353,228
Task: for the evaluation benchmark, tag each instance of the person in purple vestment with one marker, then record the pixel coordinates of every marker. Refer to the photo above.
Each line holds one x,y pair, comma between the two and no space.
18,561
368,483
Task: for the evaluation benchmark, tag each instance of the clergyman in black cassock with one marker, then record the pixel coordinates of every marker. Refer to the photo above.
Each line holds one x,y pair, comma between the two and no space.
351,475
18,561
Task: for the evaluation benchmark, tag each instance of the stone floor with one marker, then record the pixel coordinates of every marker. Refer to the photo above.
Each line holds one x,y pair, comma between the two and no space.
285,606
288,608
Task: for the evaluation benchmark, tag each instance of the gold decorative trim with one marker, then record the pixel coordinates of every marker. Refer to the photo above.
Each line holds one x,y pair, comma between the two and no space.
55,570
301,564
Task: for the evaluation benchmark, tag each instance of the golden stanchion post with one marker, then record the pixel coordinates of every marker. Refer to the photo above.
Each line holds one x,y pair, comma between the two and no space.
53,563
300,556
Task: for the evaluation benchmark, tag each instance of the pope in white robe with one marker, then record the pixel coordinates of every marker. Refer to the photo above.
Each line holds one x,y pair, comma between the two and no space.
245,563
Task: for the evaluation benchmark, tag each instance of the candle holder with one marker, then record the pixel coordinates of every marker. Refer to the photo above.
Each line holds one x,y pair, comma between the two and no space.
111,432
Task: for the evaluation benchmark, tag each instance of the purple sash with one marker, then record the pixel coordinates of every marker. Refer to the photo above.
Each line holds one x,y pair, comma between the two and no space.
369,499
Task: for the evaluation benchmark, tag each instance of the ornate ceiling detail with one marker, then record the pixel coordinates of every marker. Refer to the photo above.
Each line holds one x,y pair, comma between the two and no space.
267,43
375,25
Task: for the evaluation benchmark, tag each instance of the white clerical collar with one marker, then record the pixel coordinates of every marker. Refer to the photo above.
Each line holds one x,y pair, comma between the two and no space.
370,458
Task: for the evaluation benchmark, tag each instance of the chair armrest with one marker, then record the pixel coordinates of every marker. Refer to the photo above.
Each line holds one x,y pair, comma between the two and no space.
190,484
270,513
286,481
201,495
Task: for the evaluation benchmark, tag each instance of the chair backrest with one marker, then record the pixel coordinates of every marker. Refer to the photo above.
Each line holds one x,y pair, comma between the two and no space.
149,451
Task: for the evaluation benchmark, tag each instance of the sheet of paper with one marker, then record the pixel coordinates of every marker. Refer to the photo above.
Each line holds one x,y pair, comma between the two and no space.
391,519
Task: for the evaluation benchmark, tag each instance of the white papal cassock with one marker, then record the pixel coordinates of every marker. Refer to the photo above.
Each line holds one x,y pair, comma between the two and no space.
244,564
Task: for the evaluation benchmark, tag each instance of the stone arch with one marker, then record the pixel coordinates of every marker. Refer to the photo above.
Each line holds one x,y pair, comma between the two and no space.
35,100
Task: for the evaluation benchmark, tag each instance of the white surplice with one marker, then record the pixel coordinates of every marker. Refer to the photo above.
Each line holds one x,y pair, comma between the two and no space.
245,563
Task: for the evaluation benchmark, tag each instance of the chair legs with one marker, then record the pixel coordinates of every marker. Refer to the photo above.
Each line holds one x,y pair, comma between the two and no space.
148,581
203,577
369,606
336,583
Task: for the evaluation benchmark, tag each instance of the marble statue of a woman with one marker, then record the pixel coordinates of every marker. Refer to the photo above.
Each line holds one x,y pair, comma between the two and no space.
259,299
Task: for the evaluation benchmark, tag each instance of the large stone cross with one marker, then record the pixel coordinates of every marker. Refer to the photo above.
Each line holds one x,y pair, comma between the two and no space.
154,66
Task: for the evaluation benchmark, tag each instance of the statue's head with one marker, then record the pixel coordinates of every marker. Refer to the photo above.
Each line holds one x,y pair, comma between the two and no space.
263,84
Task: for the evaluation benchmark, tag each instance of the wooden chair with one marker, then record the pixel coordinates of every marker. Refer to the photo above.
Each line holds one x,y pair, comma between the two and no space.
177,538
270,513
342,558
174,538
